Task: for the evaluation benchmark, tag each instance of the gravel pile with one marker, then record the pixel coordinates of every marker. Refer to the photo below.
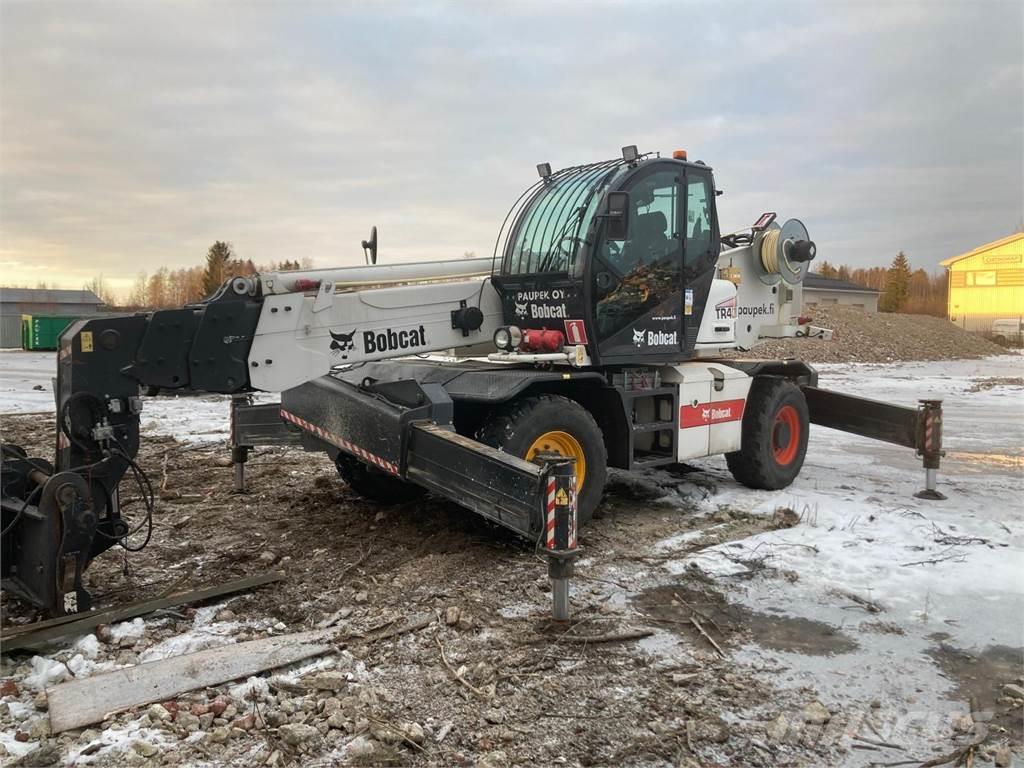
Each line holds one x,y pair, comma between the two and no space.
863,337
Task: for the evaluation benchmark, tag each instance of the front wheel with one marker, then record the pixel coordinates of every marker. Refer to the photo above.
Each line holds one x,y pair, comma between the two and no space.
775,427
553,424
374,484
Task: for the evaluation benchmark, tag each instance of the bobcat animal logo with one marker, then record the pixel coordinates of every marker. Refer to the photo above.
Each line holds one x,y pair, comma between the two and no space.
342,343
520,309
638,337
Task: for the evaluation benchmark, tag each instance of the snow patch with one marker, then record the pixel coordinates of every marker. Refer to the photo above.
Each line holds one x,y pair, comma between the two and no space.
127,632
116,739
46,672
88,646
253,689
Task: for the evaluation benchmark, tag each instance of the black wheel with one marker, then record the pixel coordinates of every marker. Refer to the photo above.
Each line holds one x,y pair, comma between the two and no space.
552,423
1000,339
373,484
775,427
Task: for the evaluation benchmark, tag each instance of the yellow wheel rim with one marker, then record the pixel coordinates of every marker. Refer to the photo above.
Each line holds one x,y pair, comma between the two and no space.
563,444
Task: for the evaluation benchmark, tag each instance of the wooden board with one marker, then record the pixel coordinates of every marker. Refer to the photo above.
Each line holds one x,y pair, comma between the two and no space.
90,700
77,624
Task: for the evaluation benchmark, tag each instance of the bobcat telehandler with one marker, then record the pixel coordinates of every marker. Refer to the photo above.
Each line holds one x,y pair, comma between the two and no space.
596,332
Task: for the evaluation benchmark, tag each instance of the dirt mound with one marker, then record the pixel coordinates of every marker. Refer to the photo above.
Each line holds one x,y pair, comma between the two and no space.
866,337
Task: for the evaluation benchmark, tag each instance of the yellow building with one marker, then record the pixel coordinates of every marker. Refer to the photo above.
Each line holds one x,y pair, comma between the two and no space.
987,284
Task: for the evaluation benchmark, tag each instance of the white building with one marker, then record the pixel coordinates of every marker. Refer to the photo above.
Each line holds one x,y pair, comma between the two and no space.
824,291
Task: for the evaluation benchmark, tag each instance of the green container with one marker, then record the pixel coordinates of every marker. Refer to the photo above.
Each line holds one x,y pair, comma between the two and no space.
42,332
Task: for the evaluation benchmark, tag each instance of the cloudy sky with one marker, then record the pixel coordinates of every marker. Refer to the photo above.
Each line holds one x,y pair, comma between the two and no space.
132,135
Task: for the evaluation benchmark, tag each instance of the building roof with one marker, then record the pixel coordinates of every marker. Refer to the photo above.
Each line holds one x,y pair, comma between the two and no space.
47,296
986,247
819,283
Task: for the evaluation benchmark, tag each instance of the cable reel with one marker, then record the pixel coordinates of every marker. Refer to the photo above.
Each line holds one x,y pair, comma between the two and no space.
783,253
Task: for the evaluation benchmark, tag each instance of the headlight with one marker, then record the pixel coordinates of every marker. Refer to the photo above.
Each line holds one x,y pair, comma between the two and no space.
507,339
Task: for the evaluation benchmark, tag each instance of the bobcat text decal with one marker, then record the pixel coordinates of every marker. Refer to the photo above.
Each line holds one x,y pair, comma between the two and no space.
387,340
540,305
393,341
703,414
643,337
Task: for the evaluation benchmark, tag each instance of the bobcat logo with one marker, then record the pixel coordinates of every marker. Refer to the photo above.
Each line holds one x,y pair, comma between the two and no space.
342,343
521,309
638,337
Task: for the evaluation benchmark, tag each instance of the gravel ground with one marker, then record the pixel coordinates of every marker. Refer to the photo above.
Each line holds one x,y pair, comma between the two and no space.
799,684
527,694
880,337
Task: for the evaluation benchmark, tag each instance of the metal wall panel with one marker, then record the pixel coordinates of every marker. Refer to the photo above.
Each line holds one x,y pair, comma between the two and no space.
10,331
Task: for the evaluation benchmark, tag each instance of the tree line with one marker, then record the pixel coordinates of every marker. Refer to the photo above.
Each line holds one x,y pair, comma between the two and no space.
906,290
187,285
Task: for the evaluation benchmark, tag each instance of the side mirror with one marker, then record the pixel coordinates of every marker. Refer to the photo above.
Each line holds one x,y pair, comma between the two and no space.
617,215
370,247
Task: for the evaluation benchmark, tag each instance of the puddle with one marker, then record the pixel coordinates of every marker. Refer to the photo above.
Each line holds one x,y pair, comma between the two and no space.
1000,460
981,385
672,607
978,678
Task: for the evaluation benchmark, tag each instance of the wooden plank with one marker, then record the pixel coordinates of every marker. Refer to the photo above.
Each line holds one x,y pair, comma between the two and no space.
53,629
90,700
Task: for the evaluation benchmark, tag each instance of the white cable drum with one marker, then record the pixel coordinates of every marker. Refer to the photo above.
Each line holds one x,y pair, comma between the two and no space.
773,249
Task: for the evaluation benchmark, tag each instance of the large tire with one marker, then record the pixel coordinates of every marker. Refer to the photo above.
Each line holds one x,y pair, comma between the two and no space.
373,484
775,428
519,426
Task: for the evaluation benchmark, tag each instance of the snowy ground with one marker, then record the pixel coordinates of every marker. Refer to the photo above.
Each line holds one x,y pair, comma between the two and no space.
26,387
947,577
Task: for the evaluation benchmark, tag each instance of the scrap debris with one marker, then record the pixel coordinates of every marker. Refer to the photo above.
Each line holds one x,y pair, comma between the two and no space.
83,702
31,635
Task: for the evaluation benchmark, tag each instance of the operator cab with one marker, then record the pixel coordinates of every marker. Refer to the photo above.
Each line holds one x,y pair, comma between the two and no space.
619,256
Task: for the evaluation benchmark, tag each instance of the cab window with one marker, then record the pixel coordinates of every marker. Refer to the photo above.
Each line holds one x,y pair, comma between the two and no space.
634,276
699,194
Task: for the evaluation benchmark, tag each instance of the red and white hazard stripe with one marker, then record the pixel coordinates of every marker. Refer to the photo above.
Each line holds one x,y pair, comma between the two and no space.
551,514
341,442
573,499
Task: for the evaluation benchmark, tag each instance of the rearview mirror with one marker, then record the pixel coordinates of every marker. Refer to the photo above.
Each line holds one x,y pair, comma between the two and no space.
617,215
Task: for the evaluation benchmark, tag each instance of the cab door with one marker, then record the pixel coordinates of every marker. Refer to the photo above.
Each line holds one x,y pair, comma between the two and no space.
636,285
701,248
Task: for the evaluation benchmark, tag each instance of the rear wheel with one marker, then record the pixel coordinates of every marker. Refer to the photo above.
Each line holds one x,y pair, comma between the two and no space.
553,424
1000,339
373,484
775,427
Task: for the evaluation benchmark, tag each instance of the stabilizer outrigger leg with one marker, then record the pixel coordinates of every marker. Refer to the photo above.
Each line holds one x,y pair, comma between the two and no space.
930,447
919,428
559,531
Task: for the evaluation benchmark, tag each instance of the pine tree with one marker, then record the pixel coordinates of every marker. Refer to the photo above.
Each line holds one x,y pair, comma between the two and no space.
897,285
218,266
826,270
